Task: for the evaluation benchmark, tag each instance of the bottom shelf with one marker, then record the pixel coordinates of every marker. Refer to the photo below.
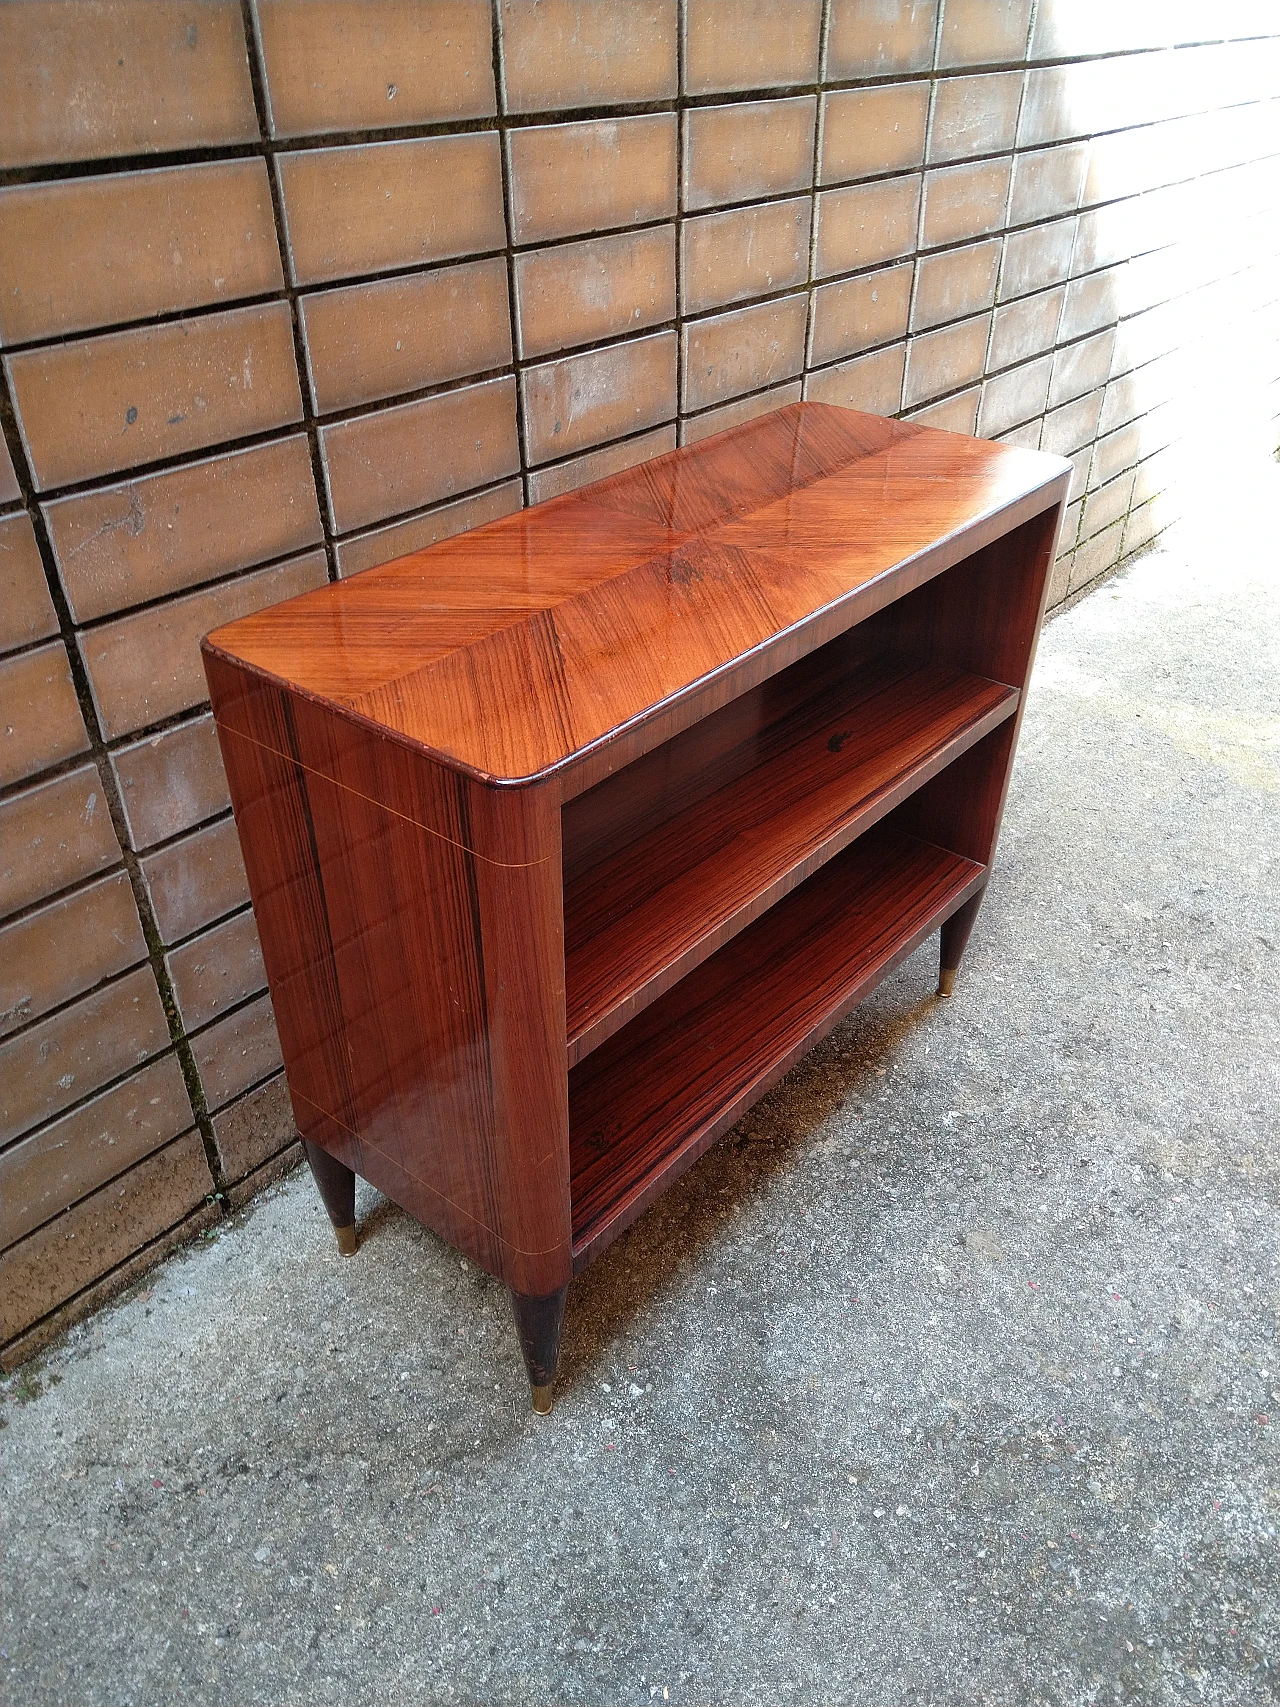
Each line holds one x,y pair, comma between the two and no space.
646,1104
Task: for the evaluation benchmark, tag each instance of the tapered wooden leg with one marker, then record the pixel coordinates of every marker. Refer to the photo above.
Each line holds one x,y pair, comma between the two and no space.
955,934
538,1323
337,1187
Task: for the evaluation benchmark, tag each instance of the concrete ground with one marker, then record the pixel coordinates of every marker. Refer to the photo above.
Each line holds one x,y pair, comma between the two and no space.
950,1376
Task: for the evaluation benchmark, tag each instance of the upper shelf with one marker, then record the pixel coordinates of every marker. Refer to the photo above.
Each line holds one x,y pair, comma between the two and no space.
513,650
793,795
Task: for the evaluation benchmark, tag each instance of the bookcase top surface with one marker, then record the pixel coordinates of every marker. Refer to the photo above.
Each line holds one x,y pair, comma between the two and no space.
511,650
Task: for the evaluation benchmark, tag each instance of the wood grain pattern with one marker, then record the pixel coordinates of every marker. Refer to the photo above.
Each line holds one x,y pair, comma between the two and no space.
985,616
647,1104
411,932
520,648
794,793
564,835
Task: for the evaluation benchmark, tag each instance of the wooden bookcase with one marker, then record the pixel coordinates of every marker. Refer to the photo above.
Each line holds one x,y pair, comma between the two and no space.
567,837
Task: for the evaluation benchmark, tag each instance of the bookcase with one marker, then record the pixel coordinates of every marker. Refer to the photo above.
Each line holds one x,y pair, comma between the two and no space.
568,836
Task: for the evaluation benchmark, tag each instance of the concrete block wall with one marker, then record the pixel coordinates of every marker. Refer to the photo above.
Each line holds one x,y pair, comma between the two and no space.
292,287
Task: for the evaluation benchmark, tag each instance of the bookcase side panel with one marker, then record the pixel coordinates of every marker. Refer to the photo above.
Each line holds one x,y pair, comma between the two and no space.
401,962
983,615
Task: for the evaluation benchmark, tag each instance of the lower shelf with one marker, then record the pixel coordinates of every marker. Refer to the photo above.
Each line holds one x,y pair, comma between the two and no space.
646,1104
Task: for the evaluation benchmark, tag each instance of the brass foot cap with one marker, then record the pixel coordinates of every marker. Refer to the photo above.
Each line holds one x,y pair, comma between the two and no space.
542,1399
346,1240
947,980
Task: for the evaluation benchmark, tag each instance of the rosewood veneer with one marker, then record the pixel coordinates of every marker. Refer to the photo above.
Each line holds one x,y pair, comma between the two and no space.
568,836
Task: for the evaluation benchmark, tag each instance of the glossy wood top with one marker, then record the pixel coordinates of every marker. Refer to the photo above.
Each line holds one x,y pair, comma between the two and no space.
512,650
